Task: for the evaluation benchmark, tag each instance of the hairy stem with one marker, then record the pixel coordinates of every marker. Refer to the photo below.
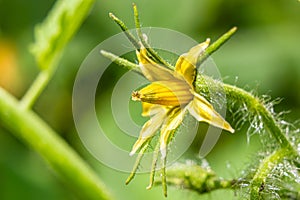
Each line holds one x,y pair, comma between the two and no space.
254,105
264,169
29,128
193,177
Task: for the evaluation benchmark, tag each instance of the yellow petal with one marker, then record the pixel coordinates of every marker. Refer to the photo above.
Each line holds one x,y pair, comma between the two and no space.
148,130
151,70
202,110
150,109
175,117
186,64
168,93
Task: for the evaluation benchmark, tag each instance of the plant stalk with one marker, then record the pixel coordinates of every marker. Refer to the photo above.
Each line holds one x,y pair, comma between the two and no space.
34,132
264,169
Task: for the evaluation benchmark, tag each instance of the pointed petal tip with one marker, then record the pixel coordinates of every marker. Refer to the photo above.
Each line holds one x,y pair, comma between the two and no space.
166,194
227,127
234,28
145,37
148,187
163,151
111,15
132,152
207,41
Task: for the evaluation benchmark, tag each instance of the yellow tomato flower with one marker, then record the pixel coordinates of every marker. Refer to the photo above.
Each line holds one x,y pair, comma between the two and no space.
170,95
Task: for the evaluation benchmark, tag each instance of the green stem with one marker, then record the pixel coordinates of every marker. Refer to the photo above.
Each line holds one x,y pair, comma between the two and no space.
254,105
264,169
28,127
194,177
36,88
257,107
51,38
216,45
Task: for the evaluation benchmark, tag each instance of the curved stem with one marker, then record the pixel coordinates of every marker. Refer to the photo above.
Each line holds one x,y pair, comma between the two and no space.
254,105
28,127
273,126
264,169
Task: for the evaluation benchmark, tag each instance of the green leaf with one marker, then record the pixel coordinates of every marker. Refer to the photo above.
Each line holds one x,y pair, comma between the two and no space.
52,35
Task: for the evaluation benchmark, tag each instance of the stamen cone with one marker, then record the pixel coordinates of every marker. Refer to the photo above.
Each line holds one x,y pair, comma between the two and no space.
135,96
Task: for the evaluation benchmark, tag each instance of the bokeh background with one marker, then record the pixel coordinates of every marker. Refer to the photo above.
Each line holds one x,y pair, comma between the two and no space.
262,56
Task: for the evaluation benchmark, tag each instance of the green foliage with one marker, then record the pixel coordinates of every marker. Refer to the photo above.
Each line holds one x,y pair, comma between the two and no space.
57,29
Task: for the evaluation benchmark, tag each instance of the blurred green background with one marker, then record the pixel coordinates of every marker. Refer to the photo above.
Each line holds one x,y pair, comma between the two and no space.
263,56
